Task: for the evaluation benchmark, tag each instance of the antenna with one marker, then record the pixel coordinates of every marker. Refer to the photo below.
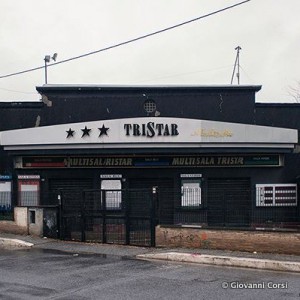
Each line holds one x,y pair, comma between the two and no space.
236,64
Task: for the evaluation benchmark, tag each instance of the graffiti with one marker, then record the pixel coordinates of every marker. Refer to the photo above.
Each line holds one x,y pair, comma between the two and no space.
5,207
203,236
165,233
177,238
190,238
5,199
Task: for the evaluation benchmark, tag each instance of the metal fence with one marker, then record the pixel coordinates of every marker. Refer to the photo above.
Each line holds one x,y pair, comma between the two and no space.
249,209
108,216
6,209
129,216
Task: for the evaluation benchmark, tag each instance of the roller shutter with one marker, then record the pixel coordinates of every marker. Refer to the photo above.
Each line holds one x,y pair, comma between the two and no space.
229,202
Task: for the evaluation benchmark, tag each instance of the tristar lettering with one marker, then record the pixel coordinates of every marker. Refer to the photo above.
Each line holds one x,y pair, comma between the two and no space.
98,162
193,161
208,161
151,129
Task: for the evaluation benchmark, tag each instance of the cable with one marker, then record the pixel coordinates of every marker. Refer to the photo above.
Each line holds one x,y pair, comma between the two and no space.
129,41
187,73
246,74
14,91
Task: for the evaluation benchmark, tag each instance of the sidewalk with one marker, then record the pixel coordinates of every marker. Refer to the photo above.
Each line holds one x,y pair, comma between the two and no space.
266,261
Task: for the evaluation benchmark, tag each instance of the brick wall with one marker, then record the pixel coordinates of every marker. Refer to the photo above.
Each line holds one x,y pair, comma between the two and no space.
235,240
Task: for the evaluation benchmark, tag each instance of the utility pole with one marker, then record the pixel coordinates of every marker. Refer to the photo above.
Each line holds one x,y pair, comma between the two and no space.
47,59
236,64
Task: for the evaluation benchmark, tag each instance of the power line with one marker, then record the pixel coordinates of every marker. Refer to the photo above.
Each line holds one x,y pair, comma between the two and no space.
14,91
187,73
129,41
246,74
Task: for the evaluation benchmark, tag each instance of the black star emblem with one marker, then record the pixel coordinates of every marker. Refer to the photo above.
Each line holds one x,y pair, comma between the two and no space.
103,130
70,133
85,131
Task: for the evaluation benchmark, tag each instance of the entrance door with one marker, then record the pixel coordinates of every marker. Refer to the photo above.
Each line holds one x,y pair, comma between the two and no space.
229,202
165,196
71,190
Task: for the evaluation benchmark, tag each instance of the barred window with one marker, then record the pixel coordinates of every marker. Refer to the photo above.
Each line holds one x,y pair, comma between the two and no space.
113,193
29,193
5,195
191,193
276,194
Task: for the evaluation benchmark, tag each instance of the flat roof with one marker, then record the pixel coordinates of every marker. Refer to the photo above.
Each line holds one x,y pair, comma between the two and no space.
21,104
279,104
99,87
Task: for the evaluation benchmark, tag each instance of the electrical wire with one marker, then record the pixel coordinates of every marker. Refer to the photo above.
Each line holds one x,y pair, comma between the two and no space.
14,91
129,41
251,79
187,73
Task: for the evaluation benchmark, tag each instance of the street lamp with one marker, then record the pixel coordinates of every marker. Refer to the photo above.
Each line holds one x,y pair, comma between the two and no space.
47,59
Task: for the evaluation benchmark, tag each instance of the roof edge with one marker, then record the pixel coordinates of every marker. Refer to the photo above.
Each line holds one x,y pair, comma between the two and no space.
95,87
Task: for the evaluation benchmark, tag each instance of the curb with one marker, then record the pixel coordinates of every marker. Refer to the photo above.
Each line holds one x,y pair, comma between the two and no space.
229,261
14,243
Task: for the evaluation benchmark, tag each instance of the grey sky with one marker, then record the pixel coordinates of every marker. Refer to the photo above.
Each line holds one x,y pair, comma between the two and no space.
199,53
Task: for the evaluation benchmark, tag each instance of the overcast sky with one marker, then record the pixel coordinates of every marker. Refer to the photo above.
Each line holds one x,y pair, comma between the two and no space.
201,53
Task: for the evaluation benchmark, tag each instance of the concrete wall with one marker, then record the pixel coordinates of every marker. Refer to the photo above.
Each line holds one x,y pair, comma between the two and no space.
20,225
235,240
35,227
79,104
12,227
24,223
21,216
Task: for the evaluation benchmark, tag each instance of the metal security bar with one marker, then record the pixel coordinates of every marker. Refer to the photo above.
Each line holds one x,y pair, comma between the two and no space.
29,198
108,216
130,216
6,210
239,209
276,195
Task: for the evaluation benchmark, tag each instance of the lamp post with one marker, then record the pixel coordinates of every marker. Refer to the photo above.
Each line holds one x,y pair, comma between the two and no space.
47,59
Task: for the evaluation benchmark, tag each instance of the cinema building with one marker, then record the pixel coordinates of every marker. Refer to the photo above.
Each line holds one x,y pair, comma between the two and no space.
151,165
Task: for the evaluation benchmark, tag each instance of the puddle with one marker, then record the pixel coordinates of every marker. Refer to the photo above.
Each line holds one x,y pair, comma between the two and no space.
9,247
67,253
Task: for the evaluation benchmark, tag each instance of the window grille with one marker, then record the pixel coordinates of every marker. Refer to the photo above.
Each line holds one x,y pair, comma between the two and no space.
149,106
276,194
113,193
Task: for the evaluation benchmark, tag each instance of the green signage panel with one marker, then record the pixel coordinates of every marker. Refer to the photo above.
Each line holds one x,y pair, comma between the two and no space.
246,160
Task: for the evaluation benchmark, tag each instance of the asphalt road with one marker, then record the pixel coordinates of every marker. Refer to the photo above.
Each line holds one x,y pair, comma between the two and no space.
48,274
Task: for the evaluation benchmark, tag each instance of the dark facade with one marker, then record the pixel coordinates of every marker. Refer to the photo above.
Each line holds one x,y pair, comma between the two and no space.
206,177
279,115
80,104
